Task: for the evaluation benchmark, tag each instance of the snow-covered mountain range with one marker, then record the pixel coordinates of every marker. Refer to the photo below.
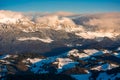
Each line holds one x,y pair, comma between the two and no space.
83,46
55,30
86,24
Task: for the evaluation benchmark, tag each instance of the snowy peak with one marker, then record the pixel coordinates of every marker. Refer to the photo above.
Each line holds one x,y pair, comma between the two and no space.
10,14
55,22
10,17
27,24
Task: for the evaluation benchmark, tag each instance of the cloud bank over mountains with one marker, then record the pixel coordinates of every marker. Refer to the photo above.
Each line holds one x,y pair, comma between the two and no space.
102,22
105,22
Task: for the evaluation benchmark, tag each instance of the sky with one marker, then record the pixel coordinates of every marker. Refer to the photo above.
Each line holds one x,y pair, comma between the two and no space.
75,6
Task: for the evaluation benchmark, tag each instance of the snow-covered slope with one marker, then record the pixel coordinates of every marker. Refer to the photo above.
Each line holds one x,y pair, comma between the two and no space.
96,35
103,76
94,64
9,17
47,40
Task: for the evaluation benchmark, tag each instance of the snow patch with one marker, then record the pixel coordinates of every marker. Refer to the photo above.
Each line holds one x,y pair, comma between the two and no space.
64,63
118,48
93,35
81,76
5,56
105,67
105,76
34,60
38,66
87,53
47,40
90,51
116,54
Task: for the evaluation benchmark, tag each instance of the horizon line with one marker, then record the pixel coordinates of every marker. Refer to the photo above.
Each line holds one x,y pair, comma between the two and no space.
60,11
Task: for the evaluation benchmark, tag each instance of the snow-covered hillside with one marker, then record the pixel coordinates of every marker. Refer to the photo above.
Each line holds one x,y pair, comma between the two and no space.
96,65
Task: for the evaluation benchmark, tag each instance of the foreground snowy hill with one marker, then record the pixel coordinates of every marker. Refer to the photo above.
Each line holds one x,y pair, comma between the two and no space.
86,64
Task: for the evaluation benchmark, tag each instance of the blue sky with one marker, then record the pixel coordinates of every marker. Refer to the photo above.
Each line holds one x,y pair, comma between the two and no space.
77,6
